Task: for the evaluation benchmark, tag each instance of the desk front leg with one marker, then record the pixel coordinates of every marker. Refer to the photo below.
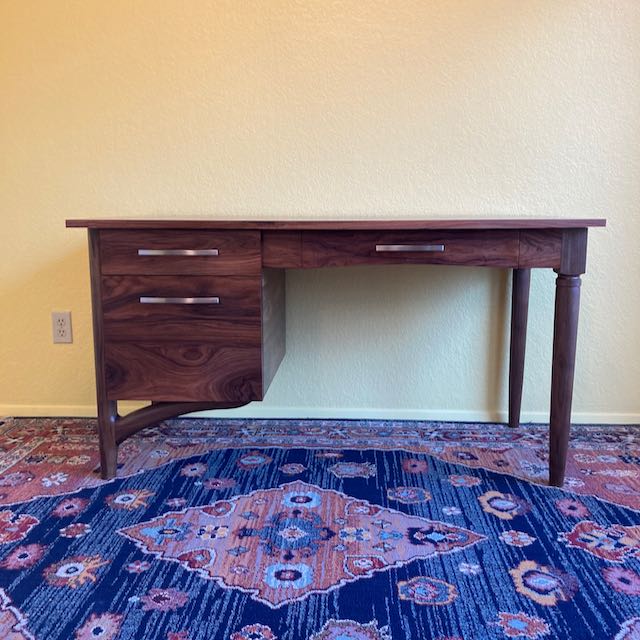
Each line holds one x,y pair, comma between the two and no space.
564,357
573,262
107,418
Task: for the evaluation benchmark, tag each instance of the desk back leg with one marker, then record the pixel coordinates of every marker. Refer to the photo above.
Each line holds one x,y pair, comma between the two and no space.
519,313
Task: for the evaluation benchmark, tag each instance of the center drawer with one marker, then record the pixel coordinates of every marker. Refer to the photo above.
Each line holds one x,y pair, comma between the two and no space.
471,248
178,308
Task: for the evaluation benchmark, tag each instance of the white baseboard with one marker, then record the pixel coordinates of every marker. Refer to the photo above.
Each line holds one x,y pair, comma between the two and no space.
59,410
257,411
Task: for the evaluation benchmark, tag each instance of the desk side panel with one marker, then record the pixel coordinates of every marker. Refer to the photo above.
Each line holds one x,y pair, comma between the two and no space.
273,323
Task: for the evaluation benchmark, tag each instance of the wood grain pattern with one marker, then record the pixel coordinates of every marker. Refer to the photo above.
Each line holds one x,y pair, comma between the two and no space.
471,248
239,252
540,248
282,249
273,323
477,222
234,331
179,372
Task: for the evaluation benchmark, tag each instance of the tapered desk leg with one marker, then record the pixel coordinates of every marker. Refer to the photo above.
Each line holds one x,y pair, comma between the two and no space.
564,357
107,417
519,312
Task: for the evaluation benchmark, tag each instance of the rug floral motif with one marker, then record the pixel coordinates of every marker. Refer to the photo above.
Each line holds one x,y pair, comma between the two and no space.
318,530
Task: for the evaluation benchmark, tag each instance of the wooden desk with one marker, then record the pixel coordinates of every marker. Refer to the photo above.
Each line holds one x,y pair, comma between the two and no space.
190,314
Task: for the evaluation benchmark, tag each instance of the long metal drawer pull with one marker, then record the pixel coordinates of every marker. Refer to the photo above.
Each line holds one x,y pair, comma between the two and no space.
177,252
160,300
425,248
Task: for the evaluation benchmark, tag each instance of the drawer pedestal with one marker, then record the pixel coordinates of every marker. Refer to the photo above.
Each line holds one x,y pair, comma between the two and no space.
188,320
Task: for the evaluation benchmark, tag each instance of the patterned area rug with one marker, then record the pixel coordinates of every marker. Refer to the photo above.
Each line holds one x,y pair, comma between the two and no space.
318,530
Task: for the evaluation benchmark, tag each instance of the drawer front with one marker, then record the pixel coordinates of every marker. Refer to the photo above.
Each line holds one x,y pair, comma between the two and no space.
492,248
180,252
151,307
174,372
237,331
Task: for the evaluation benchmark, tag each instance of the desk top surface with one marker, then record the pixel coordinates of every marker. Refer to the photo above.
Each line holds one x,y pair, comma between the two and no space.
339,225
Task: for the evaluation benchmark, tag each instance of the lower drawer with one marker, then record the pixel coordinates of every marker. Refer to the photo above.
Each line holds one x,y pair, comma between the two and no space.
491,248
175,372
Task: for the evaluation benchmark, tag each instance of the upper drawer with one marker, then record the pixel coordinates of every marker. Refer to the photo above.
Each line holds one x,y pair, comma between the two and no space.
492,248
176,252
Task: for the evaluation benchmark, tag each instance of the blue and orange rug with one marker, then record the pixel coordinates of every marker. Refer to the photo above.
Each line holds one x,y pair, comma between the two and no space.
318,530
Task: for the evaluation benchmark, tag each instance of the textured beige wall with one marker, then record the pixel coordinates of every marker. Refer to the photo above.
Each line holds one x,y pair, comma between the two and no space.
291,108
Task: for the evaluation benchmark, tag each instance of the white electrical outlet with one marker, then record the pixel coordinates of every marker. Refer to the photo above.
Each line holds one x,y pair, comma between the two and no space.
61,325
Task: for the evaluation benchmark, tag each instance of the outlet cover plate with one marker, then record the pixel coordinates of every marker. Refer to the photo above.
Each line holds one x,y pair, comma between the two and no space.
61,326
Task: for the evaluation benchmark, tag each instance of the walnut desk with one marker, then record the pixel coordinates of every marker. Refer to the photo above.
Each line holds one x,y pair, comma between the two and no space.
190,314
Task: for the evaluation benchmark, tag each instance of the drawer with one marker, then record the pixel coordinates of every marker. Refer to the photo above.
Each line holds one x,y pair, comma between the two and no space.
149,307
175,372
232,331
179,252
491,248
